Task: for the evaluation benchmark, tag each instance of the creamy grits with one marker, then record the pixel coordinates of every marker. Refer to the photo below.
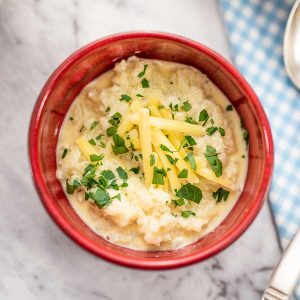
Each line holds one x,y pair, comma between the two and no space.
152,155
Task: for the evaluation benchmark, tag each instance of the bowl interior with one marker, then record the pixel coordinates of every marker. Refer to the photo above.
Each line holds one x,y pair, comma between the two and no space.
90,62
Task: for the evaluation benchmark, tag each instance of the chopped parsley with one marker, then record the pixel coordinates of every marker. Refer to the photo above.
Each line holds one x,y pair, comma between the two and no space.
145,83
220,195
100,197
125,98
178,202
213,160
158,176
94,124
229,108
174,108
107,109
119,145
141,74
71,119
186,106
92,142
211,130
221,131
135,170
191,159
72,187
111,130
183,173
122,173
64,153
98,137
139,95
165,148
203,116
246,136
190,120
190,192
108,174
152,159
95,157
172,160
190,140
187,213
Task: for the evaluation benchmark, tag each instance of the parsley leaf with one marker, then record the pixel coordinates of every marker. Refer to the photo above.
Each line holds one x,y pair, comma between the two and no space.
190,120
119,146
172,160
95,157
246,136
191,159
64,153
108,174
187,213
186,106
72,187
158,176
213,160
111,130
165,148
125,97
101,198
135,170
183,173
141,74
190,140
139,95
122,173
178,202
94,124
203,116
211,130
174,108
145,83
107,109
92,142
190,192
152,159
229,108
220,195
222,131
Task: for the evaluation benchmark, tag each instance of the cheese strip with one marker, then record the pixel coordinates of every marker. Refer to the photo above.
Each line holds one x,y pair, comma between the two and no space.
146,146
165,186
125,125
171,125
171,174
160,139
86,148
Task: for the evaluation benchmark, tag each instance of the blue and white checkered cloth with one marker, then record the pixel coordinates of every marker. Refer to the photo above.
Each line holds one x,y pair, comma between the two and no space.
255,30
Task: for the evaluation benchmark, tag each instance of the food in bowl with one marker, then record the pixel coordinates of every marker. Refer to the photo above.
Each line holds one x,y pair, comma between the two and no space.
152,155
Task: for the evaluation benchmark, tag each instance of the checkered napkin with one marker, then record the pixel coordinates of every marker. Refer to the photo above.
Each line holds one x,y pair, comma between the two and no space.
255,30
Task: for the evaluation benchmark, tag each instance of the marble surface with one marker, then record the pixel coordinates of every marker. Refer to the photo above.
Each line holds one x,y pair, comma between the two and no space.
37,261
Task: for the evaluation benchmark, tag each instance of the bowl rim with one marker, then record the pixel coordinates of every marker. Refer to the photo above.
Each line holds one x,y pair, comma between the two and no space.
117,257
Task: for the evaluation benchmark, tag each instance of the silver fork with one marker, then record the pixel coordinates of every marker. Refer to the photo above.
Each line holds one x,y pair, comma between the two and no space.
286,273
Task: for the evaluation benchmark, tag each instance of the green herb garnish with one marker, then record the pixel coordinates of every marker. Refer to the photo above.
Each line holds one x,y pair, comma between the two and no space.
191,159
71,119
92,142
108,174
190,120
174,108
203,116
229,108
187,213
186,106
211,130
213,160
64,153
95,157
119,146
222,131
145,83
125,98
101,198
122,173
183,173
139,95
165,148
141,74
94,124
135,170
107,109
246,136
220,195
172,160
152,159
190,140
111,130
178,202
190,192
72,187
158,176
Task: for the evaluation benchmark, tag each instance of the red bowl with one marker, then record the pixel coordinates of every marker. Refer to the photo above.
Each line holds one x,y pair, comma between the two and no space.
91,61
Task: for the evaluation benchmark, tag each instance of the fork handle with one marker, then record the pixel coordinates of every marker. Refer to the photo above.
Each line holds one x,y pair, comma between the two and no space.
286,273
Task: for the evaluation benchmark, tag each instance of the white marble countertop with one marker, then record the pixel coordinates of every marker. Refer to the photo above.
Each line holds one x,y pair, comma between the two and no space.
37,261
